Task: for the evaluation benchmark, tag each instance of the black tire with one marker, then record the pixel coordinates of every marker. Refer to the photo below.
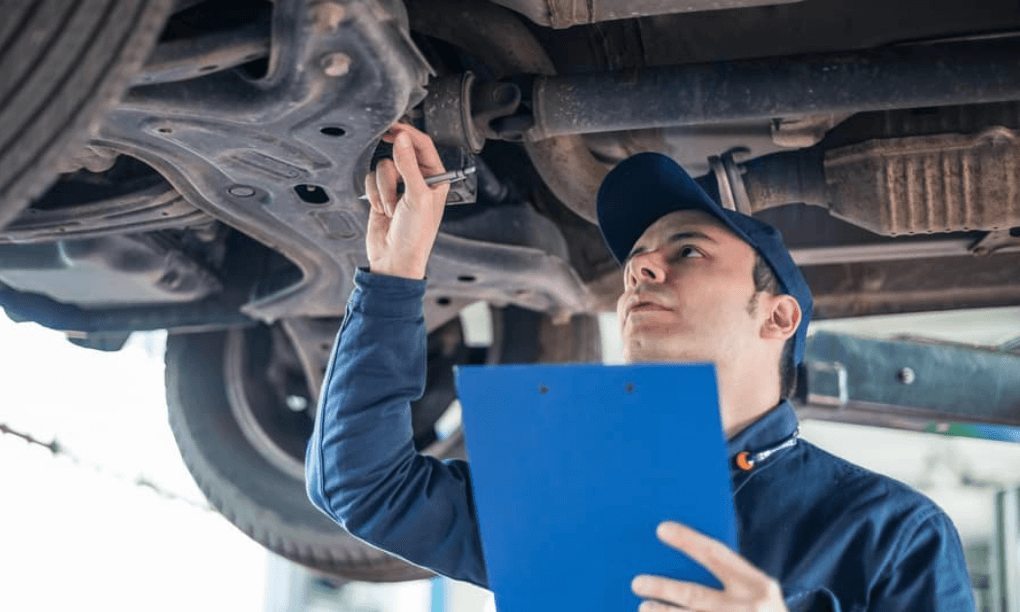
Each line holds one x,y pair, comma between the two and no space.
64,62
263,494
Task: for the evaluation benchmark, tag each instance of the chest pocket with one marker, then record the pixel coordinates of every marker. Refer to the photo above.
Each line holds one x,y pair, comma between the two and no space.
812,600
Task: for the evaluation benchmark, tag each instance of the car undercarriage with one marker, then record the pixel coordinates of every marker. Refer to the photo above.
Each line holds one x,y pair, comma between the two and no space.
205,173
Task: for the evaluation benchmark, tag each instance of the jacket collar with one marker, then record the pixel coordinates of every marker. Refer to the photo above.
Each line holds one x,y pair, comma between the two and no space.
770,429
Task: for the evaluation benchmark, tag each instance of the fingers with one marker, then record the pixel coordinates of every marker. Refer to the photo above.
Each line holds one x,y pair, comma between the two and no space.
423,147
386,176
414,157
679,595
372,191
715,556
658,606
407,164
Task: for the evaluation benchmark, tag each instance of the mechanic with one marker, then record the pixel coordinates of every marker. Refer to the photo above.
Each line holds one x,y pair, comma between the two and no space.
701,284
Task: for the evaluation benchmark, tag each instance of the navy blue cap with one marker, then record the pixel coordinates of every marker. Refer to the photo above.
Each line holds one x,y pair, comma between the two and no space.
642,188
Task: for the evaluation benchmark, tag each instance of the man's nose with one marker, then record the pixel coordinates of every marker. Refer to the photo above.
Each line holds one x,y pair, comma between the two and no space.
646,267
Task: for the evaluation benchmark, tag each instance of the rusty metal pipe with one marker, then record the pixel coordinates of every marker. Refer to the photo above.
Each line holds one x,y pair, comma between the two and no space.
914,76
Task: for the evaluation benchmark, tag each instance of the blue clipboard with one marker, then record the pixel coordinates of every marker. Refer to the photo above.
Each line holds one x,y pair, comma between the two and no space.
574,466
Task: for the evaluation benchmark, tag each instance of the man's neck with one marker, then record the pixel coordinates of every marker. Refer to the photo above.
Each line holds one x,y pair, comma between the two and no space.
744,397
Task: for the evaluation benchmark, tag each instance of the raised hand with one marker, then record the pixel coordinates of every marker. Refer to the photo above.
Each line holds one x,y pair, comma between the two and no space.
402,229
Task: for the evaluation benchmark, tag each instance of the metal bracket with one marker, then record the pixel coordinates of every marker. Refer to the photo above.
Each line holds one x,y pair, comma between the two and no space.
997,240
826,383
730,178
804,132
312,342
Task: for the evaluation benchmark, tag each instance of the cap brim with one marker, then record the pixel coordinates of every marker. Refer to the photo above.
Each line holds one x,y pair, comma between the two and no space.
643,188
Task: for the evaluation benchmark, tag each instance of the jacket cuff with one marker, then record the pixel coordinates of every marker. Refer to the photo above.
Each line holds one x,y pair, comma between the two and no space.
387,296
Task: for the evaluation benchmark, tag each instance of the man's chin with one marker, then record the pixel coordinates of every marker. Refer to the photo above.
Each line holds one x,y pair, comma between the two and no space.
651,355
654,354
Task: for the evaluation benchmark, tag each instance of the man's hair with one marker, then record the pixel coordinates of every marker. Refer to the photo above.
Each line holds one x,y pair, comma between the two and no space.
765,280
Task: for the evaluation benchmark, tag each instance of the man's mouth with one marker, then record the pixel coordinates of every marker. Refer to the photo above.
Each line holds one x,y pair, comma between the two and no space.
646,306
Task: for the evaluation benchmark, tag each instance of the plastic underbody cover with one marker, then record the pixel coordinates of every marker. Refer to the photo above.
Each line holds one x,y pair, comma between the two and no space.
106,272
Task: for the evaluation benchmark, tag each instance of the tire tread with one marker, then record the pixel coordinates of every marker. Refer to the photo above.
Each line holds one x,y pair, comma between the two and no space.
86,72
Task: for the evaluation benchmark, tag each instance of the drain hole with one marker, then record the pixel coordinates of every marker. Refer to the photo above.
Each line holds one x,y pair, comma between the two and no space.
256,68
466,278
333,131
313,194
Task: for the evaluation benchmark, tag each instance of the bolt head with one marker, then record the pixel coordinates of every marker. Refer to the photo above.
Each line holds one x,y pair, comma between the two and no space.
241,191
326,17
297,403
335,64
906,376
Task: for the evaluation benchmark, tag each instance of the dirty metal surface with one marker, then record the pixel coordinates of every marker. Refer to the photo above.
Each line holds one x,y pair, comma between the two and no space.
926,184
280,157
152,208
946,283
832,83
567,13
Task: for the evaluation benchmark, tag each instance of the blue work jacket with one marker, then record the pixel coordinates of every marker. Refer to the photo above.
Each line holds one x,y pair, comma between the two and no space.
834,535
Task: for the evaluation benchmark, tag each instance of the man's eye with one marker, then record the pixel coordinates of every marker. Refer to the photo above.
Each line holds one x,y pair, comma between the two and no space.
689,251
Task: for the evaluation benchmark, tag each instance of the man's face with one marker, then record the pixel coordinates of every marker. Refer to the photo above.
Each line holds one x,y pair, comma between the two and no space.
688,288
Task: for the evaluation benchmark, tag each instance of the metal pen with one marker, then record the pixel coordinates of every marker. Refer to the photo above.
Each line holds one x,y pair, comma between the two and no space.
452,176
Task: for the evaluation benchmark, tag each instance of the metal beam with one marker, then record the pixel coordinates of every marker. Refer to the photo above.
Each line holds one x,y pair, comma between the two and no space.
846,82
909,384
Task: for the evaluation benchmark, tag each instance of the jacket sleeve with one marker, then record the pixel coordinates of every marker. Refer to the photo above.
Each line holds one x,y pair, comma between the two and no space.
928,573
361,468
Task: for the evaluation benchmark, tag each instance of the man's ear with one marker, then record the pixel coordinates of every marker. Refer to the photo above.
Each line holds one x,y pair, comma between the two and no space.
784,318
